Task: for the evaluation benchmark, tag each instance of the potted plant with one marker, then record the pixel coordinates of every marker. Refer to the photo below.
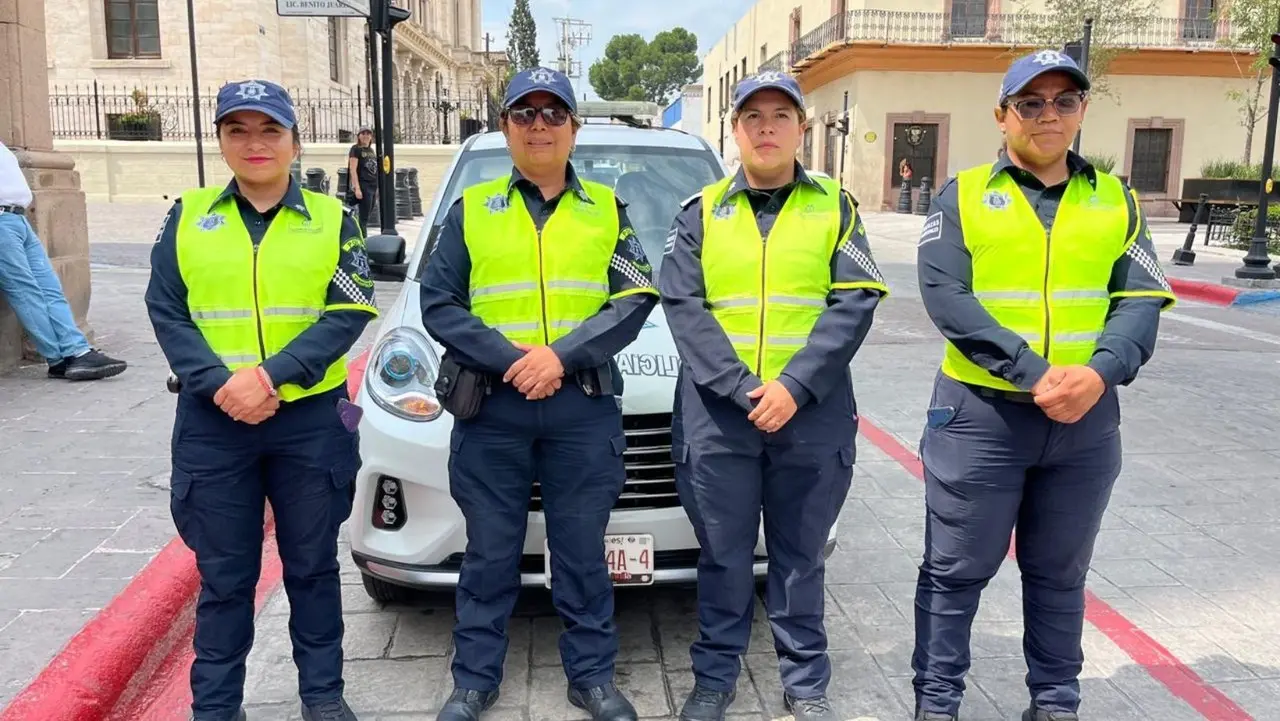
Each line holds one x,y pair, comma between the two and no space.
1228,180
141,123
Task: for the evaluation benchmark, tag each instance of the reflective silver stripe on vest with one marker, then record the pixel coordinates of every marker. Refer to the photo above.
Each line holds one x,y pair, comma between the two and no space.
1081,295
797,300
578,284
306,312
1076,337
570,324
220,314
735,338
787,342
502,288
736,303
1030,337
1008,295
238,358
514,326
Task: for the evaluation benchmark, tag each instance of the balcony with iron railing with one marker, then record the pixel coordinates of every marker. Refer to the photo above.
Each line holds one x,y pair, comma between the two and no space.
777,62
891,27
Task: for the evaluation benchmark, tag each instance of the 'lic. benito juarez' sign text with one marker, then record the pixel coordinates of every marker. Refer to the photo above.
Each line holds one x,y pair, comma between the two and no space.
323,8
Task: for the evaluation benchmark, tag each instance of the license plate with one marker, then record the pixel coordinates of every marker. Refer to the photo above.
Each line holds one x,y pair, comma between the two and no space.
629,558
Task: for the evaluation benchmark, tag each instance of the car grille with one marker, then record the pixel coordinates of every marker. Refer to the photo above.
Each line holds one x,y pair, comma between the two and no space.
650,471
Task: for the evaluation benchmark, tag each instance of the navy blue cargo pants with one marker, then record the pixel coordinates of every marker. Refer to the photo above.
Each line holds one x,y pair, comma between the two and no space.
303,460
727,473
999,463
572,444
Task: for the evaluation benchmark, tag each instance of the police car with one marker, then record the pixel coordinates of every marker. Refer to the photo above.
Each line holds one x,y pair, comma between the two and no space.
406,531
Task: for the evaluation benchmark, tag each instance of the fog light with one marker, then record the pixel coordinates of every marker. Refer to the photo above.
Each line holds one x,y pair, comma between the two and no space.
389,510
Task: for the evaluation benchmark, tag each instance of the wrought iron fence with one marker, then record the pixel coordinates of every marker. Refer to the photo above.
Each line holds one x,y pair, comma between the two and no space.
777,62
1019,29
100,112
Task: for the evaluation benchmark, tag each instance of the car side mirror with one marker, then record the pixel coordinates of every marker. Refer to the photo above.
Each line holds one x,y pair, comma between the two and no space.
386,257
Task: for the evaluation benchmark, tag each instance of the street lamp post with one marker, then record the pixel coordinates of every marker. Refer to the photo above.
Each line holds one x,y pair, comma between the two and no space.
1257,259
195,90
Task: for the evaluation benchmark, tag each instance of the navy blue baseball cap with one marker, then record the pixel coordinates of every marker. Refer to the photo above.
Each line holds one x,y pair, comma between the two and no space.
767,80
540,79
261,95
1029,67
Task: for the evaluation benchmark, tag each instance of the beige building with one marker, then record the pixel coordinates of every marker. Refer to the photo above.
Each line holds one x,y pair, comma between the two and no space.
121,68
922,78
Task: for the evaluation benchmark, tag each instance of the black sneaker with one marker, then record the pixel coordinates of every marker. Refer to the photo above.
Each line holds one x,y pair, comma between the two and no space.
59,369
466,705
1039,714
604,703
336,710
703,704
92,366
809,709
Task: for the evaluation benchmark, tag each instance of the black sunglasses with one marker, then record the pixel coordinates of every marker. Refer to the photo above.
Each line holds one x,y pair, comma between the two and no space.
1032,108
553,115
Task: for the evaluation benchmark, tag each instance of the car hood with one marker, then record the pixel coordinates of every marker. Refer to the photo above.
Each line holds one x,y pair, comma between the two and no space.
649,365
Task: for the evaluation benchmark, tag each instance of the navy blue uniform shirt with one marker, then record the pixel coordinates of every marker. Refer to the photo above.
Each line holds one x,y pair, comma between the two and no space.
945,270
306,358
446,298
705,350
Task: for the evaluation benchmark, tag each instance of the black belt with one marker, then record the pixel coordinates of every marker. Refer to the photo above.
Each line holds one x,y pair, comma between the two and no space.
1015,396
15,209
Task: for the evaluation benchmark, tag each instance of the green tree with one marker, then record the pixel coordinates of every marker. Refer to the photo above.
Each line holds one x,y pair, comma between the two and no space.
1116,24
1251,22
653,71
522,39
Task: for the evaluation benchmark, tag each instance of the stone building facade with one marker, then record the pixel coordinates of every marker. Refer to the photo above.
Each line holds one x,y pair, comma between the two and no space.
100,52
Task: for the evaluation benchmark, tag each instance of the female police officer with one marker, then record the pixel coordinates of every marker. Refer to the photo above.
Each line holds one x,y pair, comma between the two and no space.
257,292
1040,273
765,414
537,282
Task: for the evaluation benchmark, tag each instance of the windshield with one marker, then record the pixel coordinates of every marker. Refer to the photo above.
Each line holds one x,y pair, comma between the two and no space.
652,180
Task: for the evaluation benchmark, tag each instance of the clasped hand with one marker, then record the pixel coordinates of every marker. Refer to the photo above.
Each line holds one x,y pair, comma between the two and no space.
245,398
1067,393
537,373
775,407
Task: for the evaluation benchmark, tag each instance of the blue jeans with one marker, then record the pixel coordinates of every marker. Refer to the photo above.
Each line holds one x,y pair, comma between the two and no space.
34,292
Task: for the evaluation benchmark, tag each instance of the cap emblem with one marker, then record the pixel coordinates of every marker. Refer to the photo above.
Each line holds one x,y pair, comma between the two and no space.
1049,57
252,90
542,76
769,76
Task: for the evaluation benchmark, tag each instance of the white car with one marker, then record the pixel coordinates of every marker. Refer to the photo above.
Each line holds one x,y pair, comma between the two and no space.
406,531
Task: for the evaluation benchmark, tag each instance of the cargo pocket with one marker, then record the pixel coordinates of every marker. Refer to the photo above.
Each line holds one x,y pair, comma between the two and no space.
179,490
343,479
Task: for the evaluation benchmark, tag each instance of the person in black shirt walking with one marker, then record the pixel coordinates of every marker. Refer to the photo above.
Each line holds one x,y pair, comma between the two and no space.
362,174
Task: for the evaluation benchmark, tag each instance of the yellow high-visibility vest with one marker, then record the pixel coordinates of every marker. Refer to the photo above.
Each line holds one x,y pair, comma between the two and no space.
250,303
1053,291
767,294
535,286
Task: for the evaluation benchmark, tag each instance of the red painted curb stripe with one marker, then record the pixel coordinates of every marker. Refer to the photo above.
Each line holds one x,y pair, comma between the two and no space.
1145,651
97,666
168,696
1203,292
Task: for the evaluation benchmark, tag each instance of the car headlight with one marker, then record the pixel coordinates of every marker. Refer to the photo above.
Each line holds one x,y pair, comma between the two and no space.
401,376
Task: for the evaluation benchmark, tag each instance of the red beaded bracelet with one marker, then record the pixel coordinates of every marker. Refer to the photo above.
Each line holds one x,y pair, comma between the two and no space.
266,384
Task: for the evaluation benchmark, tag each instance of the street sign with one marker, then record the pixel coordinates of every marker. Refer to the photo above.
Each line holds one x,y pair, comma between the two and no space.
323,8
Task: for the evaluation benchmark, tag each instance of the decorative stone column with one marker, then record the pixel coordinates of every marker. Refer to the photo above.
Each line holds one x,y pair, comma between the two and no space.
58,211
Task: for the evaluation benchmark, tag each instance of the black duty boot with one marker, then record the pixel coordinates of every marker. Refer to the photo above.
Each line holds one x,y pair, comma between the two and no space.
604,703
706,705
466,705
1039,714
809,709
336,710
935,716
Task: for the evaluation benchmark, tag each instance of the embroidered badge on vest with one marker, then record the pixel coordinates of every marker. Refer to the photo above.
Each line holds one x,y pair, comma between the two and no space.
213,221
997,200
497,203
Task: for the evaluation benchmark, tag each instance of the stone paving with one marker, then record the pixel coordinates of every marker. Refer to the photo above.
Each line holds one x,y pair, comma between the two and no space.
1187,553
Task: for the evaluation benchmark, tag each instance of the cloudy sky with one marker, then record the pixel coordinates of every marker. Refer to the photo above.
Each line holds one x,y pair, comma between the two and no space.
708,19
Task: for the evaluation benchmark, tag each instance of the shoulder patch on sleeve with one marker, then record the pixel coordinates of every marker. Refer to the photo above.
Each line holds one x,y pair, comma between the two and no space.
932,228
689,200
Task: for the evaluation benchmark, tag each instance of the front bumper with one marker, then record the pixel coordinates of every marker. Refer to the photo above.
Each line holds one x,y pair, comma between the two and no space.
446,575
